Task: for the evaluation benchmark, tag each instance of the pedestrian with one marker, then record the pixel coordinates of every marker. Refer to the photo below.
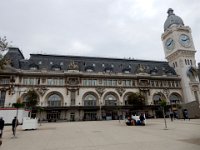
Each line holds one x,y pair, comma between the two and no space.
142,118
185,114
14,125
171,115
1,127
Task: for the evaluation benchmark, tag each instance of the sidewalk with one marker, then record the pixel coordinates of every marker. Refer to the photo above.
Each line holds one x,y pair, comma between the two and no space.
106,135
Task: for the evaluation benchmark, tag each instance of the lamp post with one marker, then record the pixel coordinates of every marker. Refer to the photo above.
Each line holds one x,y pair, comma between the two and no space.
100,115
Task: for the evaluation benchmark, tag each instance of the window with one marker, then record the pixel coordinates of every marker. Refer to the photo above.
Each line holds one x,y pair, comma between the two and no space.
30,81
127,83
109,82
40,62
89,82
5,81
2,98
90,100
190,62
54,100
73,98
55,81
110,100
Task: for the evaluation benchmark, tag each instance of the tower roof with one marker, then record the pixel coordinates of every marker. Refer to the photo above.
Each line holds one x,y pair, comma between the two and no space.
172,19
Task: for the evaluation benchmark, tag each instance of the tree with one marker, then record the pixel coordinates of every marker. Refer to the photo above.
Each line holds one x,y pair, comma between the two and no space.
31,99
3,47
40,110
136,99
163,104
17,105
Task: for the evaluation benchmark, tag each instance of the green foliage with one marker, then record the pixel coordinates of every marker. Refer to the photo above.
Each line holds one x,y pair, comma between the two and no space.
3,44
32,99
3,47
136,99
163,103
18,105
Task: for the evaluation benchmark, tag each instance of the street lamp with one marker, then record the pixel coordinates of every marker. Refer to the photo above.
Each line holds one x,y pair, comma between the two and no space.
100,115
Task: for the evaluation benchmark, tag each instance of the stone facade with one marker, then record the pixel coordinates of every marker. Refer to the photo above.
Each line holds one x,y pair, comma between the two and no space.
92,88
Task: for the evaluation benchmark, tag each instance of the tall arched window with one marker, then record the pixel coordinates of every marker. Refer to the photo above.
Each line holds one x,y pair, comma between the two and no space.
110,100
2,98
54,100
90,100
156,99
175,99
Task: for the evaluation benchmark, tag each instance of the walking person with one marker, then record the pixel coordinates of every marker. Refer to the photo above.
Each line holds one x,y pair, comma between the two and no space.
171,115
14,125
1,127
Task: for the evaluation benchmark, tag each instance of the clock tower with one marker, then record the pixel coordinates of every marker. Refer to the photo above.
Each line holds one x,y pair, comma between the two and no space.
180,53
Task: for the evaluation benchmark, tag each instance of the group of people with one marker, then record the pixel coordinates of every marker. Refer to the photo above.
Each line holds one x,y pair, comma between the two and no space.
2,124
173,114
135,120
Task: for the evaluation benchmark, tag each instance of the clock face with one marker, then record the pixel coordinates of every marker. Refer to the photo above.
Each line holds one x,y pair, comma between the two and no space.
184,40
169,44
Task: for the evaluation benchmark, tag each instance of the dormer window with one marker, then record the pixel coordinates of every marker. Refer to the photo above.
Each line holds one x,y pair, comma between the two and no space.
33,68
40,62
103,65
61,63
89,70
56,67
51,63
112,65
127,71
93,65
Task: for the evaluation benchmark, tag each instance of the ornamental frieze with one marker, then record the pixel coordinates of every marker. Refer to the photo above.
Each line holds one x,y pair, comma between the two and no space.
100,90
120,90
42,90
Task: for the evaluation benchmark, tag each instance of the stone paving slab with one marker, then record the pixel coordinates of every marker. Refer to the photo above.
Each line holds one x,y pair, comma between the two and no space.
106,135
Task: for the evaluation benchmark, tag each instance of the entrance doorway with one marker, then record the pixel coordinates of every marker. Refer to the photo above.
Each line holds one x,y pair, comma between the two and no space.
90,116
53,116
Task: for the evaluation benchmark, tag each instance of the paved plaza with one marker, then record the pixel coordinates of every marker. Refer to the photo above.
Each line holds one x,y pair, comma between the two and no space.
106,135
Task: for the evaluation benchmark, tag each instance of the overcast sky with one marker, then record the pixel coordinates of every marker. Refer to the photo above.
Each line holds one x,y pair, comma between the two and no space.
103,28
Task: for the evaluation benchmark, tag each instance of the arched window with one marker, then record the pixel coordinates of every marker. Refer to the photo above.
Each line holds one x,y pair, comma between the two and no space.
175,99
54,100
90,100
110,100
2,98
157,99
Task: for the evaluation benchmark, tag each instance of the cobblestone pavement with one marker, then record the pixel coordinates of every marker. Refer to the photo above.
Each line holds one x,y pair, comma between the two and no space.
106,135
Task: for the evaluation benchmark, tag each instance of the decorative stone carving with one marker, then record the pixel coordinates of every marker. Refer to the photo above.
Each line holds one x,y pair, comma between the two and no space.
100,90
42,90
195,88
141,69
120,90
72,89
72,66
73,81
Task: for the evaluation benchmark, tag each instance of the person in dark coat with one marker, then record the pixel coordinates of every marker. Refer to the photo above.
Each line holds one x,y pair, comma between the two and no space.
14,125
142,118
1,127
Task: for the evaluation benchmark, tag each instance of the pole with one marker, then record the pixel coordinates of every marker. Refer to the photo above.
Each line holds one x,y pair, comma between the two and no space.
100,116
16,123
164,117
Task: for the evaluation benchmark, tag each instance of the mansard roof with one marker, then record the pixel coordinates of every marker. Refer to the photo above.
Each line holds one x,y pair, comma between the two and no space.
95,64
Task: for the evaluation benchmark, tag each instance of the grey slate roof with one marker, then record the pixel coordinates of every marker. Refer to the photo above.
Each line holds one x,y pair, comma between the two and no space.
97,64
172,19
